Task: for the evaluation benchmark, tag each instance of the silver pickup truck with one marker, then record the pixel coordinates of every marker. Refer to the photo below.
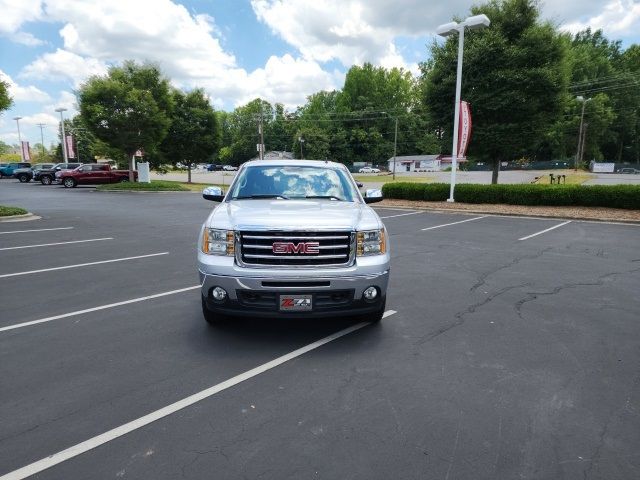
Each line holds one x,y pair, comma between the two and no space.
292,239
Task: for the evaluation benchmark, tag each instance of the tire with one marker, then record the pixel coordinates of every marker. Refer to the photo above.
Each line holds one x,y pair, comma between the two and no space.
123,180
23,178
210,317
46,180
69,182
377,316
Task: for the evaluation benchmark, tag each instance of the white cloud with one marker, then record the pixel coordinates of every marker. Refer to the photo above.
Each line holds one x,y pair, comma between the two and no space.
21,93
65,65
619,17
14,14
97,33
65,100
33,120
328,30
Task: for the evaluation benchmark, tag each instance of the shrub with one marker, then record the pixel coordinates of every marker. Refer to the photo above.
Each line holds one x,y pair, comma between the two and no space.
613,196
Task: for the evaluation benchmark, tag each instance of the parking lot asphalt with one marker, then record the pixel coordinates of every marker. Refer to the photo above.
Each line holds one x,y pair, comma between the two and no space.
513,352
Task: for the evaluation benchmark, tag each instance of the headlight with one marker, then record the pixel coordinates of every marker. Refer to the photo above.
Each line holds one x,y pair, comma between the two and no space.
371,242
217,242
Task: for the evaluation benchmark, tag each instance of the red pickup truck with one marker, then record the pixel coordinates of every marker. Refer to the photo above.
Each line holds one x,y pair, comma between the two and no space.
92,174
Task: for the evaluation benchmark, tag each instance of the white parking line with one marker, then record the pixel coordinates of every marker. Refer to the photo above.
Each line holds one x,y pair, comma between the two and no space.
544,231
95,309
90,444
57,243
455,223
401,215
37,230
6,275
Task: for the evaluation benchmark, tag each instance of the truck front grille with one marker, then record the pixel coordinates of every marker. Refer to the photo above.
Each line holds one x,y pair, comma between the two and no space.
296,249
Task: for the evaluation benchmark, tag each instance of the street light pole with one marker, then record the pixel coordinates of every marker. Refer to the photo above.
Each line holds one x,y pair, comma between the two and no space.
475,22
456,117
64,137
41,125
17,119
301,141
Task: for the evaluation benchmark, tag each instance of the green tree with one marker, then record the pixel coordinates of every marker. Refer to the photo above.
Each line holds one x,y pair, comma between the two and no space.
5,99
515,77
194,134
5,147
128,109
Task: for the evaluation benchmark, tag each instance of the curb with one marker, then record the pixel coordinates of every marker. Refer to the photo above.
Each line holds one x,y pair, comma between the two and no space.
499,214
20,218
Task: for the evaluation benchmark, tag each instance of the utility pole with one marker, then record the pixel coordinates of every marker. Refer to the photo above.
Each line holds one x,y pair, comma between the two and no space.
395,149
580,98
584,137
41,125
261,132
301,141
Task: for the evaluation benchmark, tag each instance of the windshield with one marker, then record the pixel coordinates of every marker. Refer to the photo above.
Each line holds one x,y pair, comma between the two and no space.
288,182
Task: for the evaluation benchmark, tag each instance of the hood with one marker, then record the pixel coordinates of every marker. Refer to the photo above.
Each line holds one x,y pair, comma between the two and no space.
274,214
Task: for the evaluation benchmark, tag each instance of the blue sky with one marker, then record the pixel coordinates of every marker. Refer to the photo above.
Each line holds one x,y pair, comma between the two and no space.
237,50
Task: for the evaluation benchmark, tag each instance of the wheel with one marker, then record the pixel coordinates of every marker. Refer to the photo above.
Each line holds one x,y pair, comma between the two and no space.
123,180
46,180
210,317
69,182
377,316
23,177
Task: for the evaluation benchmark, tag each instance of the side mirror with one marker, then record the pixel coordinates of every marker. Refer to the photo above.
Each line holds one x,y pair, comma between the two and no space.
58,168
215,194
359,184
372,196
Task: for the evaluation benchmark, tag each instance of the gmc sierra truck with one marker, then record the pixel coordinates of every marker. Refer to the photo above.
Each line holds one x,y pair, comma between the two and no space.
293,239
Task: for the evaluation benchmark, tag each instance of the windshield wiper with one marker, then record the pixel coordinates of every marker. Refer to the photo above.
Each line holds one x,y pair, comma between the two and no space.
330,197
262,196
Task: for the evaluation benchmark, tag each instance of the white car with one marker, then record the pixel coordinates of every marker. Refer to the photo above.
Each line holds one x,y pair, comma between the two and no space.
369,170
229,168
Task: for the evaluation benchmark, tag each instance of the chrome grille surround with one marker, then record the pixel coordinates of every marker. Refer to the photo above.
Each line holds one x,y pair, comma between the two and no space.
253,248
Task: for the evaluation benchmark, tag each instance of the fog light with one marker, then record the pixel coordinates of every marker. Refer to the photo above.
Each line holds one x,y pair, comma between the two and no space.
219,294
370,293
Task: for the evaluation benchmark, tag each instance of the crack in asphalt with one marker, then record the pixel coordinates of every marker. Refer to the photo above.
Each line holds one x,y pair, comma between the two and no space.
460,315
483,277
531,296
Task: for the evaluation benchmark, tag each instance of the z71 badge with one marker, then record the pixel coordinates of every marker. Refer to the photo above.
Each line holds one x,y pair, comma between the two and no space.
295,302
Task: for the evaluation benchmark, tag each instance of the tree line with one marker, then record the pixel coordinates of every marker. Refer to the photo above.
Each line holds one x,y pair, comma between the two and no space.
528,84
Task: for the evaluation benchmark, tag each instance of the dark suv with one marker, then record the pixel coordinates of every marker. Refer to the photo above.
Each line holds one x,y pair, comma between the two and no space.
48,176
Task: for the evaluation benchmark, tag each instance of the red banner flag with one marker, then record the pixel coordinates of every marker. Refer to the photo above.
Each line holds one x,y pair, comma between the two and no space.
70,152
26,154
464,129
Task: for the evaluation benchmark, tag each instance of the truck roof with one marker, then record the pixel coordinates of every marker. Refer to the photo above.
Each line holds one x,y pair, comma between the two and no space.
294,163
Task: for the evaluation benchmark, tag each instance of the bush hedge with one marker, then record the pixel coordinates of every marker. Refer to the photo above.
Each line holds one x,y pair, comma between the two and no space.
6,211
613,196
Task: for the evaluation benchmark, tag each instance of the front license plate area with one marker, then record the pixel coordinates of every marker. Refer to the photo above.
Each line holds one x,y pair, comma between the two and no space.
296,303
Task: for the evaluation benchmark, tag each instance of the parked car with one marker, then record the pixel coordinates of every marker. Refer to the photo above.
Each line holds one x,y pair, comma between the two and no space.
293,239
92,174
229,168
369,170
26,174
9,169
212,167
47,176
629,170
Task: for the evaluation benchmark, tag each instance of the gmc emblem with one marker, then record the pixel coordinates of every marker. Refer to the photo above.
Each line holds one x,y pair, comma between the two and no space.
309,248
